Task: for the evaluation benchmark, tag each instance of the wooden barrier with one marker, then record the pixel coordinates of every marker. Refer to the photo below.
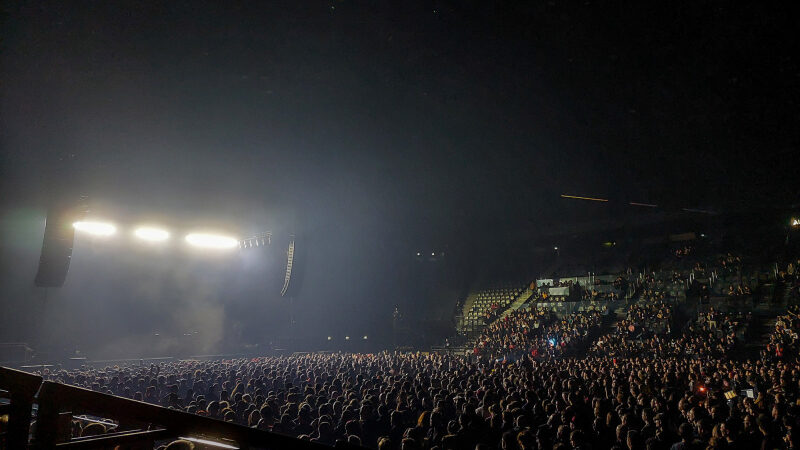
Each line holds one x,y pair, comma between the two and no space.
164,423
141,424
21,388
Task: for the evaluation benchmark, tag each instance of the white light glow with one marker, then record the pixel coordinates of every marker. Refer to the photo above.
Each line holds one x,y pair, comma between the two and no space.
211,241
151,234
95,228
347,338
365,337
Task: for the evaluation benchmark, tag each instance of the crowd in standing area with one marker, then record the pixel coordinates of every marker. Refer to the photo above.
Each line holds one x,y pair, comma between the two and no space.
533,381
434,401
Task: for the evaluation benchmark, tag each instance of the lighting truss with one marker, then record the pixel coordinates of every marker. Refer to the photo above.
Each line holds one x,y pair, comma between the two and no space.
289,262
260,240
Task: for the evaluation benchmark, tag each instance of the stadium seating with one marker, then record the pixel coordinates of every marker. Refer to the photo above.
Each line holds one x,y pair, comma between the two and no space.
483,304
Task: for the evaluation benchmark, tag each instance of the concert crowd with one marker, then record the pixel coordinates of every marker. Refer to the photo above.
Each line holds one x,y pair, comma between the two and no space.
435,401
533,380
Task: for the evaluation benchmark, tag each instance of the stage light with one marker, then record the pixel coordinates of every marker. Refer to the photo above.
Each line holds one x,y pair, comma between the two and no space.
95,228
330,338
347,338
555,248
211,241
433,254
151,234
365,337
795,222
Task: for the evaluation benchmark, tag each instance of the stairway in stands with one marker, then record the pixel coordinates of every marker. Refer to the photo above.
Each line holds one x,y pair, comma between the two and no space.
763,325
614,316
773,302
469,302
520,300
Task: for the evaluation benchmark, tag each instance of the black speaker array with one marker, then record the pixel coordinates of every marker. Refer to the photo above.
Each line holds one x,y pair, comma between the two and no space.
59,236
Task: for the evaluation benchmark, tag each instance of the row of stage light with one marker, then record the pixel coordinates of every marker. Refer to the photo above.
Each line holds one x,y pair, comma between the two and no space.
155,234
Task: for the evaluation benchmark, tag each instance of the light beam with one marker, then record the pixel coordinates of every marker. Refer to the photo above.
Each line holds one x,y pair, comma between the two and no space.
216,241
151,234
95,228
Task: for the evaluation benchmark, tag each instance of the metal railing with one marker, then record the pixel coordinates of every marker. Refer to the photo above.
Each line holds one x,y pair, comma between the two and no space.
140,424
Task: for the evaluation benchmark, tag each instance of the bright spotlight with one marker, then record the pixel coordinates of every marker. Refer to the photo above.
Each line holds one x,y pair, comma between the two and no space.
365,337
330,338
211,241
151,234
95,228
795,222
347,338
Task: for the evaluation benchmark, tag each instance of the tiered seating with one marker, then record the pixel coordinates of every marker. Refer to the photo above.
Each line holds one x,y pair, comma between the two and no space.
488,303
538,332
784,338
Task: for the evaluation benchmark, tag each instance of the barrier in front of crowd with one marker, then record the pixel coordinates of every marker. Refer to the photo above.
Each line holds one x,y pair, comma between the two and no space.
564,308
140,424
18,389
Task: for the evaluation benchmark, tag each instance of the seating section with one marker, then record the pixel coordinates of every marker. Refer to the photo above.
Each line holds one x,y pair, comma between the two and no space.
488,303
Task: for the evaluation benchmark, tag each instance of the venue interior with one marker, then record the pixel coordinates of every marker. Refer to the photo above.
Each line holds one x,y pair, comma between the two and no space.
423,225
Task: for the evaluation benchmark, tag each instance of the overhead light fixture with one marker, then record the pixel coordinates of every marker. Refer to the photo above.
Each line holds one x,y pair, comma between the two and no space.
151,234
211,241
578,197
95,228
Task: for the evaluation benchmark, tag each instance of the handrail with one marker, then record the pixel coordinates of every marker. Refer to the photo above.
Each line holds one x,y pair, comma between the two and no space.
55,398
113,439
58,401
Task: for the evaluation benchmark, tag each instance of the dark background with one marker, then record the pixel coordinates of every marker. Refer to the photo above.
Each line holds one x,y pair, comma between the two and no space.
373,131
